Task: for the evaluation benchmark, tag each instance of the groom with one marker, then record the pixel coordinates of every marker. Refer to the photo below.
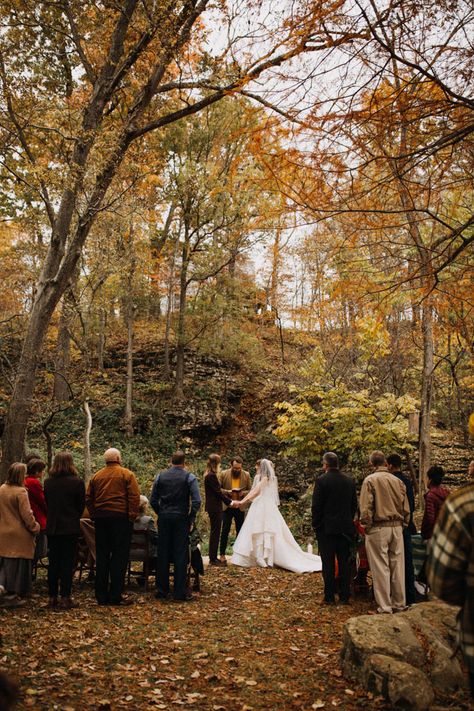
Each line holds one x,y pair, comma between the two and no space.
235,482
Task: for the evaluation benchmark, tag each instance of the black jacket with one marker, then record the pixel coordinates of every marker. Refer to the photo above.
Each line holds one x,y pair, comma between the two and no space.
65,498
215,497
334,503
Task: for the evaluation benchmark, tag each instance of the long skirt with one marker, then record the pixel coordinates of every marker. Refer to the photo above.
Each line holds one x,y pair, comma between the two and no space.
15,575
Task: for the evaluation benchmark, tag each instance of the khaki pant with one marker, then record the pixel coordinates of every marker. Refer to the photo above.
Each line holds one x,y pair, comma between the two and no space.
386,557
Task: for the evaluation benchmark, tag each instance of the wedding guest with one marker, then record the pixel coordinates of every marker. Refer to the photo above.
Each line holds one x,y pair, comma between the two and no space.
235,483
18,528
113,498
394,465
65,498
144,522
213,505
434,500
450,565
384,512
334,506
35,471
175,498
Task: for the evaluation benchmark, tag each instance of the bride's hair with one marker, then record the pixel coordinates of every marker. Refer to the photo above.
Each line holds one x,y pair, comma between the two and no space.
266,469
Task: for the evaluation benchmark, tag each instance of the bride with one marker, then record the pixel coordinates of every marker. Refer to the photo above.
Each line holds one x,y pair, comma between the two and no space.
265,539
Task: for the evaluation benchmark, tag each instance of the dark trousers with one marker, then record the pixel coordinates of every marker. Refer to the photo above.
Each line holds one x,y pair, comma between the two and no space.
228,516
215,518
409,571
61,563
471,681
332,546
112,545
173,547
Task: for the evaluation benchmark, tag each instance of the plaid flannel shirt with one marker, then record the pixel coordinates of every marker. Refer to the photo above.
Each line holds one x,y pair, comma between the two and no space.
450,566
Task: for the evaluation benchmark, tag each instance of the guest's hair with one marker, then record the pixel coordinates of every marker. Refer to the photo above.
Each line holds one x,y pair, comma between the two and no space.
112,456
435,474
213,463
142,506
394,460
257,463
331,460
239,460
377,458
63,464
35,467
178,457
16,474
32,455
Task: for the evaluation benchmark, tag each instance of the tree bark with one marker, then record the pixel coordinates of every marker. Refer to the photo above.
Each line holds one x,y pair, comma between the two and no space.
169,311
101,343
129,390
181,335
87,442
426,392
62,391
63,356
21,401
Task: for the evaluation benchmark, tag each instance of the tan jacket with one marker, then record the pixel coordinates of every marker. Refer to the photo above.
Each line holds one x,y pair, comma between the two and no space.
383,501
225,480
17,523
113,490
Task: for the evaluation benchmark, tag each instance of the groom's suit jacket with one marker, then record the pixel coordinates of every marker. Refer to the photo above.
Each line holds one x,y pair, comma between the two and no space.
225,480
334,504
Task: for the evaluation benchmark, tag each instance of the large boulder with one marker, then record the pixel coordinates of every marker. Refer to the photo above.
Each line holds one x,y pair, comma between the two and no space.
402,684
404,657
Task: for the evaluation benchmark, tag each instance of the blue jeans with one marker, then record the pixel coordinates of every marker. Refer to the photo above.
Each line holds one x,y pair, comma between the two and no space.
173,547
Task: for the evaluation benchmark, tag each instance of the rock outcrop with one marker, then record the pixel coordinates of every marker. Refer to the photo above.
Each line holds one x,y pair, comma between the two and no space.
405,657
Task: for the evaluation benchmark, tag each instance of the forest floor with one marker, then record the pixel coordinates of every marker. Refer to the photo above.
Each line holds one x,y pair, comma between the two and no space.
254,639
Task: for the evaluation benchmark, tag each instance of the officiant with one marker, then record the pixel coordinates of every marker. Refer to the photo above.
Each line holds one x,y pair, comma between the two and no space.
235,482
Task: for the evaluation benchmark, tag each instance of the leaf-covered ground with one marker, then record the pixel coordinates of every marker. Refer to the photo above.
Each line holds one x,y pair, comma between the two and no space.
254,639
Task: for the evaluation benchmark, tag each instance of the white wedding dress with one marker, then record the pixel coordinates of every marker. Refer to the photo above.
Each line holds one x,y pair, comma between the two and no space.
264,539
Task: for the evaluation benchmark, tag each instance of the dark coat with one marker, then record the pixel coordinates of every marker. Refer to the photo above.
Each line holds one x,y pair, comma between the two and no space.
334,504
215,497
65,498
411,499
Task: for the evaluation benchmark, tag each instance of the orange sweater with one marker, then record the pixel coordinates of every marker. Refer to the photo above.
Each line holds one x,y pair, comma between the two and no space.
113,490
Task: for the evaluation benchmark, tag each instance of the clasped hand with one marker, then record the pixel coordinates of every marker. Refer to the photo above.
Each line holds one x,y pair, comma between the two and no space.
235,504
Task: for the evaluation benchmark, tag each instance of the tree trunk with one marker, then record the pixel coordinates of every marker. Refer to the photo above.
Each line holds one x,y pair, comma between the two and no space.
20,405
62,391
426,391
274,280
181,335
169,311
129,393
87,442
101,343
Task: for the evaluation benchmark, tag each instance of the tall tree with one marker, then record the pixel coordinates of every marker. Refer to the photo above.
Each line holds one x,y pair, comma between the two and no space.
81,84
